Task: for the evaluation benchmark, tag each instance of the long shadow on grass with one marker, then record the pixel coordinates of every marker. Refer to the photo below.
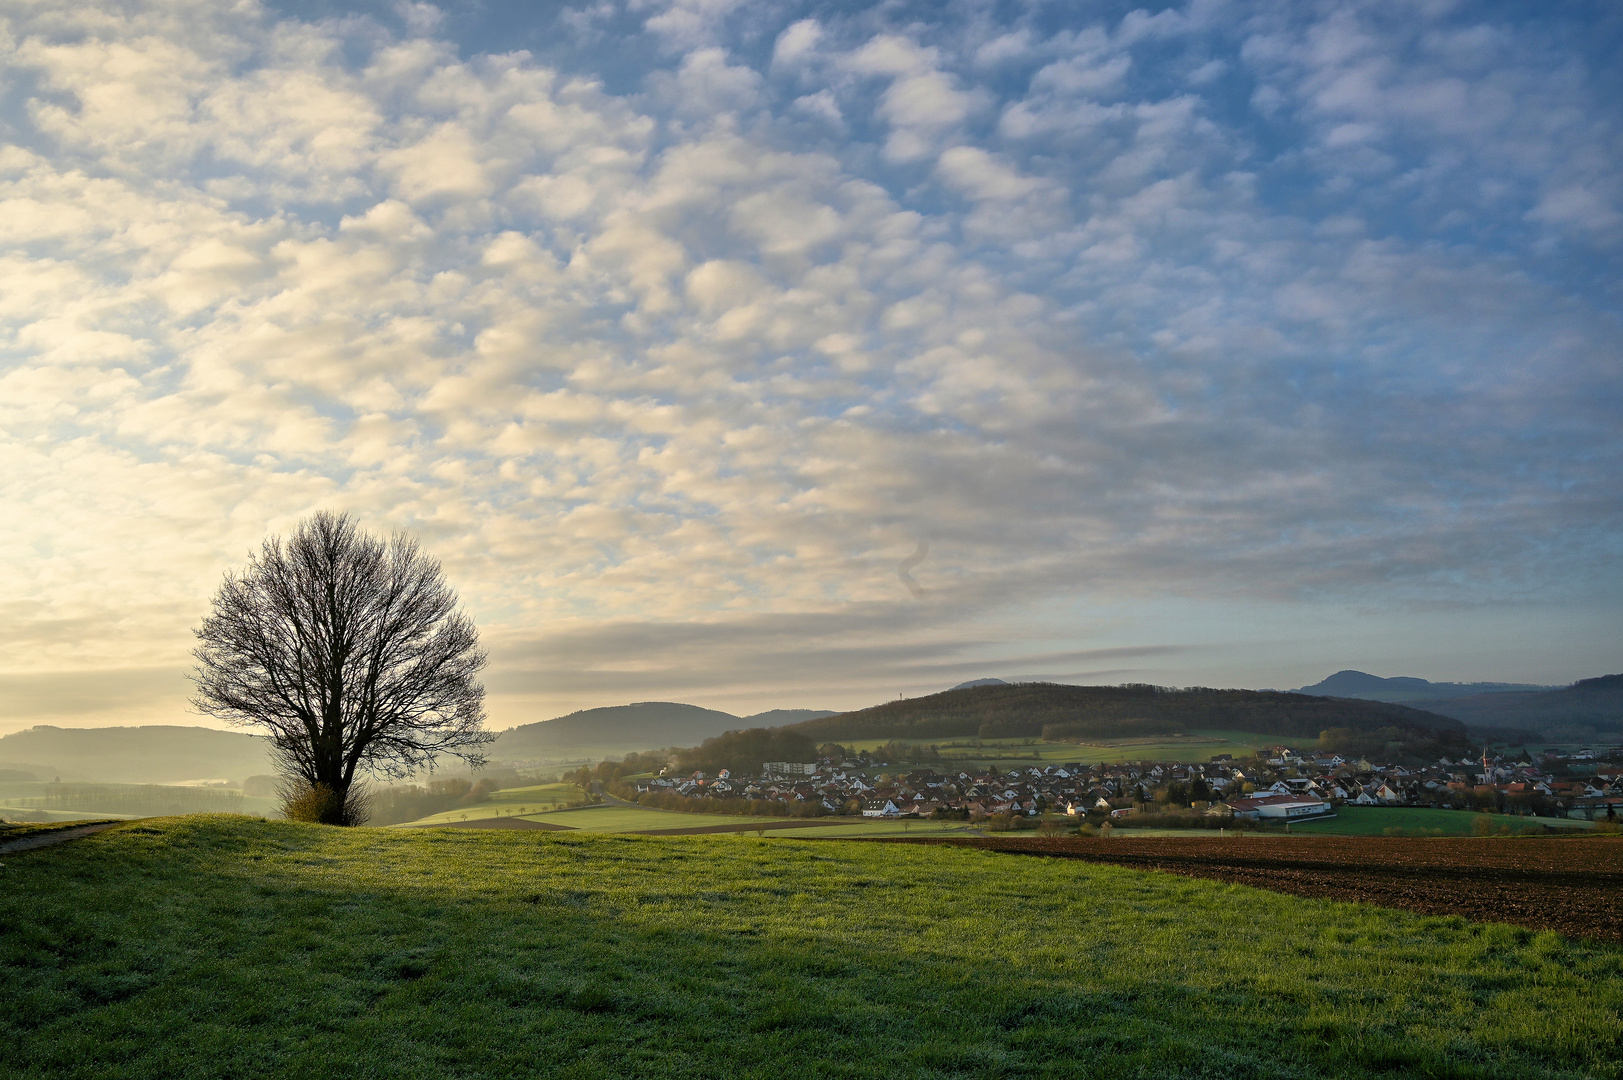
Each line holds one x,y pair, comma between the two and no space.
211,947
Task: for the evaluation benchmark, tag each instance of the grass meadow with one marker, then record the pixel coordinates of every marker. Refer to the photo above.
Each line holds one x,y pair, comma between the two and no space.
221,946
618,818
1375,820
524,801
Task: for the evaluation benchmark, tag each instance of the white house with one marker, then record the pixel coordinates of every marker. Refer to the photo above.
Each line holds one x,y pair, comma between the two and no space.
880,808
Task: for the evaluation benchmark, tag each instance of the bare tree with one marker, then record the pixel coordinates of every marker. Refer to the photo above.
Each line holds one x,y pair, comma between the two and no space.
351,653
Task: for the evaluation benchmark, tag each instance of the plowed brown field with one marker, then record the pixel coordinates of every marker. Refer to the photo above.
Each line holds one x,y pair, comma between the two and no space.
1574,886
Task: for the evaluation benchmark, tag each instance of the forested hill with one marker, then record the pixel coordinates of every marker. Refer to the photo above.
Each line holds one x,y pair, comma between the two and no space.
1050,710
645,725
639,726
1587,709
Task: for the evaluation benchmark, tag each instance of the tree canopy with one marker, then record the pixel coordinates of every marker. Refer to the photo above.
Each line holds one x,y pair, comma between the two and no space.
350,652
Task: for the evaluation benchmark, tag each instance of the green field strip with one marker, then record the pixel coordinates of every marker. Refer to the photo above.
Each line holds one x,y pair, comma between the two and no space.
614,818
1374,820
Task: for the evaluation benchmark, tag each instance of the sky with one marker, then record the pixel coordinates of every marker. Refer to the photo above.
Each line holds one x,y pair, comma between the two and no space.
804,355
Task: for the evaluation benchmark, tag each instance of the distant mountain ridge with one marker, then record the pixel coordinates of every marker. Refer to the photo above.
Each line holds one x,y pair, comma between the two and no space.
151,754
1589,709
1404,688
165,754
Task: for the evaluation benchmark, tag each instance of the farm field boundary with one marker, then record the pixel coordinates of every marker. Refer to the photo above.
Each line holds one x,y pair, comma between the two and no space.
1567,885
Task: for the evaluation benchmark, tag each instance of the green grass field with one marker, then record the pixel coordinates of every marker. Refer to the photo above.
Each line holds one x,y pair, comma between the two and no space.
604,818
511,801
612,818
562,794
1375,820
615,818
218,946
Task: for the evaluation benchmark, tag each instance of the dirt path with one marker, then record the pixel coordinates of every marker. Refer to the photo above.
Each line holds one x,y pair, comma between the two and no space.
59,836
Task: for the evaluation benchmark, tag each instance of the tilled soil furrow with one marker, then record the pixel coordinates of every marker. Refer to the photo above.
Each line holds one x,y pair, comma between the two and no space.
1572,886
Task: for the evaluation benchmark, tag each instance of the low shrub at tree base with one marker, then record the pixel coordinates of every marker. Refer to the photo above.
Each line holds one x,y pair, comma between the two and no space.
319,804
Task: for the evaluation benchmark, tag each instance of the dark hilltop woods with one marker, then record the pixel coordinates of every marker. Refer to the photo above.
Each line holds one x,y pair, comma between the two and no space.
1056,711
1586,709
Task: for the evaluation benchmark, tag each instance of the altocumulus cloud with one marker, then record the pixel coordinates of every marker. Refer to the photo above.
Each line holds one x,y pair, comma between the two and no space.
673,332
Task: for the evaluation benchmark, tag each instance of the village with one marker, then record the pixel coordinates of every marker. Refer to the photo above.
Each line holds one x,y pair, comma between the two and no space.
1283,785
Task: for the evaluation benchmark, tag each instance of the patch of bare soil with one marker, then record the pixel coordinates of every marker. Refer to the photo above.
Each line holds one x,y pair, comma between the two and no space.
1573,886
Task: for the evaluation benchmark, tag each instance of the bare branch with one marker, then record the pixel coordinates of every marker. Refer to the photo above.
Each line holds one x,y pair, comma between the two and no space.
349,651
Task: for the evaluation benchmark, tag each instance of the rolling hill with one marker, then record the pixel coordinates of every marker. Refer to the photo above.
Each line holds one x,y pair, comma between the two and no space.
621,729
1588,709
164,754
1051,710
1405,689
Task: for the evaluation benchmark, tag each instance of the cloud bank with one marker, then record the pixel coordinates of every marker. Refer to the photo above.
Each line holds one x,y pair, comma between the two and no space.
673,360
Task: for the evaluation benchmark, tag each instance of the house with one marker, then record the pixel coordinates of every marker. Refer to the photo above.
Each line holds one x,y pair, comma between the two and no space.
880,808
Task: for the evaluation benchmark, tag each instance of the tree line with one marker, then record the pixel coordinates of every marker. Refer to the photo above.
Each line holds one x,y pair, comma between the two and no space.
145,800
